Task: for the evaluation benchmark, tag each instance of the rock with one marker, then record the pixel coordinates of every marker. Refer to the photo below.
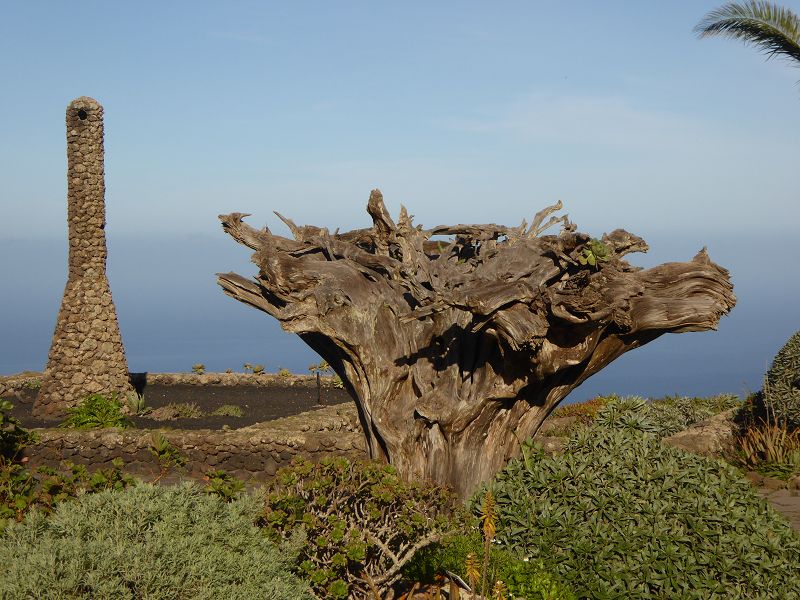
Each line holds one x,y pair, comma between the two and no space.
755,478
709,437
555,426
551,445
770,483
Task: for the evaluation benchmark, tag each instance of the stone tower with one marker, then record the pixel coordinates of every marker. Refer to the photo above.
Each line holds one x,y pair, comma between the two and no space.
86,355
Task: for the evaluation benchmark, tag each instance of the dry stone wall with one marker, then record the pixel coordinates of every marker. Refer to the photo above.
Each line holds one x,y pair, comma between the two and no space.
86,355
251,453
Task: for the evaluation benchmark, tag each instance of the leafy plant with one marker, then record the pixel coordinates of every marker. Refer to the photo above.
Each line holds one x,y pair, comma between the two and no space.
22,489
32,384
769,449
284,372
779,401
594,252
362,521
166,454
135,404
198,369
96,411
663,416
228,410
458,553
147,542
620,515
223,485
770,27
179,410
13,437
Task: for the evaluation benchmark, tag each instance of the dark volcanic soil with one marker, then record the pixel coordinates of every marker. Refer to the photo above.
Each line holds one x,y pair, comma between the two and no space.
258,403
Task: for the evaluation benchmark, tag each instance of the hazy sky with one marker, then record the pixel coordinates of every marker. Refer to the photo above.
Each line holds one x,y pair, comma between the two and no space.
462,111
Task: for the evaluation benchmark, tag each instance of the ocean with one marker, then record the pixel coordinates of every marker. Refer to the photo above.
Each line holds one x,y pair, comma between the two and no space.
172,314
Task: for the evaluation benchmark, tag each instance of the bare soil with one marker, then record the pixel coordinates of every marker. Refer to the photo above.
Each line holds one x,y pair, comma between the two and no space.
258,404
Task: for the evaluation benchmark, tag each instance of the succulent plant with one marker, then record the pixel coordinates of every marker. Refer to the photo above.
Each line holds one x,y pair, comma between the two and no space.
620,515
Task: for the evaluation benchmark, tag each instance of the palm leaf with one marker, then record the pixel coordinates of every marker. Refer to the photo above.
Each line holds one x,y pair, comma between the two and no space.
771,28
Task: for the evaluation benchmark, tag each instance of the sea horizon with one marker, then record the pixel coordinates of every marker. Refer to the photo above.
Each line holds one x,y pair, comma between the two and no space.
173,315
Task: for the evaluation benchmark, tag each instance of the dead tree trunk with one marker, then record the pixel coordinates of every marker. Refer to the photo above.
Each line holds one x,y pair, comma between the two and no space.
456,349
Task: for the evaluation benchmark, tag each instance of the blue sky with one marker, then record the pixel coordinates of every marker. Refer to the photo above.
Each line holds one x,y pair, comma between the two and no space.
462,111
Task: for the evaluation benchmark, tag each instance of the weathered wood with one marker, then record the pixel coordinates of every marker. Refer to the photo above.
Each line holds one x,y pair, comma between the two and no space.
455,350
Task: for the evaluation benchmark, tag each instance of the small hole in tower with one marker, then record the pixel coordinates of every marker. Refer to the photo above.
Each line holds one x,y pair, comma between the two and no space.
82,114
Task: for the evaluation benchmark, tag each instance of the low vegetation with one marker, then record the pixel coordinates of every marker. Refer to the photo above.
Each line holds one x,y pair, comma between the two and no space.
228,410
96,412
619,515
362,521
148,542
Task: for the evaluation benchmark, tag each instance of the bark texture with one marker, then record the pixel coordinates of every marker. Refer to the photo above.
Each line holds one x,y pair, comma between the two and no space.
456,348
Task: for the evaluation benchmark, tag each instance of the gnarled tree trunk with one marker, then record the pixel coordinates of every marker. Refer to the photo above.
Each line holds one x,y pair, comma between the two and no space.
456,349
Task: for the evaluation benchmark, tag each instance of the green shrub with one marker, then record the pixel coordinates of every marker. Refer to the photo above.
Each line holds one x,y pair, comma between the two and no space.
676,413
524,579
95,412
779,401
619,515
664,416
146,542
228,410
769,449
198,369
22,489
177,410
135,404
13,437
223,485
358,517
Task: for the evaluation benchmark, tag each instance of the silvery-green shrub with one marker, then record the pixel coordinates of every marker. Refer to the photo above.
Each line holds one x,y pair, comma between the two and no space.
147,542
619,515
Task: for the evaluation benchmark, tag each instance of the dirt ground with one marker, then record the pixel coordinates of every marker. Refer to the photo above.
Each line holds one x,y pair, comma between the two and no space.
258,403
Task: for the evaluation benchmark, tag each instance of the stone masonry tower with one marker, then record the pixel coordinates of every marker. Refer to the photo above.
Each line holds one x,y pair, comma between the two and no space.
86,355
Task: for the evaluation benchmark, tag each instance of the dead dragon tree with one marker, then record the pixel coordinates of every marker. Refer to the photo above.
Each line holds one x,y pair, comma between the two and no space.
456,349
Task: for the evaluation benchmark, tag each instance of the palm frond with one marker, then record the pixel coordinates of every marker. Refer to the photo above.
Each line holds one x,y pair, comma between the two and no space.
772,28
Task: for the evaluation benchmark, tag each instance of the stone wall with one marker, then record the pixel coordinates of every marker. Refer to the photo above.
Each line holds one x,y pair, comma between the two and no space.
86,355
33,379
252,453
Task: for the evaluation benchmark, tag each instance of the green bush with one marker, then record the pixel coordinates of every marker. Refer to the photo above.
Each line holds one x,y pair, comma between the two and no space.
95,412
359,517
228,410
146,542
619,515
676,413
779,401
223,485
12,436
22,489
664,416
524,579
